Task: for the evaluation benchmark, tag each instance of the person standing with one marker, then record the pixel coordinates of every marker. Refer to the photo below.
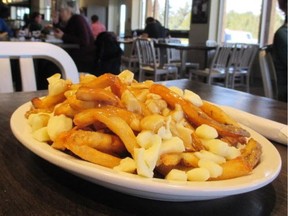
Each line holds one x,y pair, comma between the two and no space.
96,26
76,30
279,53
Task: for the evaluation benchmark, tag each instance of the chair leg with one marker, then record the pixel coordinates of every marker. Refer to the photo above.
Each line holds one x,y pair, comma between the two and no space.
247,83
141,75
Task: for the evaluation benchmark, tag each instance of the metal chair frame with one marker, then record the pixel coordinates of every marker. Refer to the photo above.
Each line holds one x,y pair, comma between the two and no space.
149,66
26,52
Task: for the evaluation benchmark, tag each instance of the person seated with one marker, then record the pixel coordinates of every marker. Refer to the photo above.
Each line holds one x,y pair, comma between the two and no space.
75,30
35,22
108,53
5,31
96,26
153,29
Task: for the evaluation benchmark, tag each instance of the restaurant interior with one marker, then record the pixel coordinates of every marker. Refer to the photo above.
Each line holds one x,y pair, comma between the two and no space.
190,123
215,25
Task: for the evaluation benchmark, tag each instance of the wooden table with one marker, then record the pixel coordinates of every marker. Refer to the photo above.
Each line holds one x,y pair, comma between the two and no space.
186,47
31,186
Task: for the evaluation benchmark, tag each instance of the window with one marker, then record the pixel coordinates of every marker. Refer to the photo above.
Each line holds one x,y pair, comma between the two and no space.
17,14
122,20
254,24
277,18
240,22
175,15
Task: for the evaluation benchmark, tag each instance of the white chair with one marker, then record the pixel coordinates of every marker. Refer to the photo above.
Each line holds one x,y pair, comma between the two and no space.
26,52
217,73
174,57
268,74
130,61
241,63
149,67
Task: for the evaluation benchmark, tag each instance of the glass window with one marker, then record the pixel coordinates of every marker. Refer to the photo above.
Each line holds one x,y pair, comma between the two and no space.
179,14
175,15
122,20
277,19
254,24
240,22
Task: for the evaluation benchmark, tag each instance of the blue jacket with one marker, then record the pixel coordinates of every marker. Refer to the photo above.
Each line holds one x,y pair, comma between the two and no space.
5,28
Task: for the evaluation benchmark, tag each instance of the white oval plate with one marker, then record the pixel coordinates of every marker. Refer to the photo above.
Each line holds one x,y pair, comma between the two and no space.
157,189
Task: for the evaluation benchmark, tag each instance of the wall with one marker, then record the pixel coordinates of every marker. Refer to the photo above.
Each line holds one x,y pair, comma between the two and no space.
200,33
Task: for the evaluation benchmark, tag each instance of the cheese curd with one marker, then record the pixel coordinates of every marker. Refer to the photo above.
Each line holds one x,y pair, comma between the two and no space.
57,125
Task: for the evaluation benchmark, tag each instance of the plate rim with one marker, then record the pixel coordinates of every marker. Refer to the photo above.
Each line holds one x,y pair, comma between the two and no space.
175,191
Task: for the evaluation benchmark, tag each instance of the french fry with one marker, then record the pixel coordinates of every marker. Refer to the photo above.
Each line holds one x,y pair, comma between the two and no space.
103,142
107,80
97,94
115,124
48,102
88,116
90,154
217,114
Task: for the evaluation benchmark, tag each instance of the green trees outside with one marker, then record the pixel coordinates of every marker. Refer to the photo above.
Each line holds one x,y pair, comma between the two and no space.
245,22
248,22
180,19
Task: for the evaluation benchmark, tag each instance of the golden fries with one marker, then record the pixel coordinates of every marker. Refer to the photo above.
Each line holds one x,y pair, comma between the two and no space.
143,128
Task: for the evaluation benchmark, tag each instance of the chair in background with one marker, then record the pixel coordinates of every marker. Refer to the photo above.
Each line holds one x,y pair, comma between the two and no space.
217,73
241,62
130,61
268,73
26,52
174,57
149,67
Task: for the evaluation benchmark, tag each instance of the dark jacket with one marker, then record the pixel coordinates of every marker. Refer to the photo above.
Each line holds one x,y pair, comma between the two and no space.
155,30
77,31
279,54
108,53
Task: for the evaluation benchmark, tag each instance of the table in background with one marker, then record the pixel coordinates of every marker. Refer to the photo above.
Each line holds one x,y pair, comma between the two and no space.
32,186
186,47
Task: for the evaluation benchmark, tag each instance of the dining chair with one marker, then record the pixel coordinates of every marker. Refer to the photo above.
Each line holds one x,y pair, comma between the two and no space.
130,60
268,73
149,66
241,62
174,57
217,73
25,52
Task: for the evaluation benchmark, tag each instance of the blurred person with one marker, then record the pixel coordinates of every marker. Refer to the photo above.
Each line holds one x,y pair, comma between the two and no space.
5,31
279,53
35,23
26,20
153,29
83,13
75,30
108,53
96,26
